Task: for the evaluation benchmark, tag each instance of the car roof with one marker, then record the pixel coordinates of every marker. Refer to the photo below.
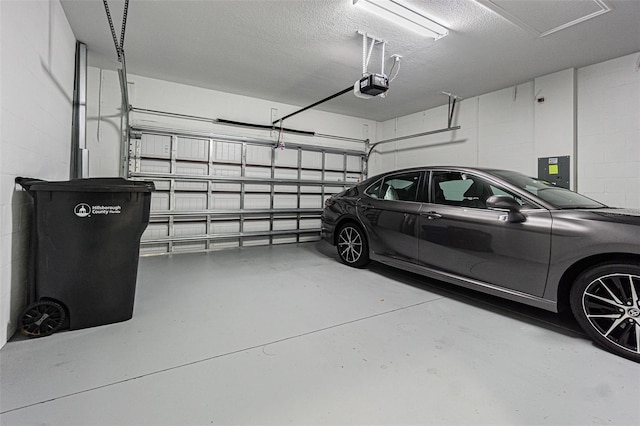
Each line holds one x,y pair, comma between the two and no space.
456,168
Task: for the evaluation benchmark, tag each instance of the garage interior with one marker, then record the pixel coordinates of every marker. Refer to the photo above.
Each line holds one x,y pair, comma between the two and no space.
243,115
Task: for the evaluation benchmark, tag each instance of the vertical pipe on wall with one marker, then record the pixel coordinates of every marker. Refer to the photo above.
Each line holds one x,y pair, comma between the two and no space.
126,110
477,130
79,153
574,163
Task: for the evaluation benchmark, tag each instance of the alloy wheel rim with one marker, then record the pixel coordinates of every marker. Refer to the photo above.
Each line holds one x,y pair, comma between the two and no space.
350,244
611,304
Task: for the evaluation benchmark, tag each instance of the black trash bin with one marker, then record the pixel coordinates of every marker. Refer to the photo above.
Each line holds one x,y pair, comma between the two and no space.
84,252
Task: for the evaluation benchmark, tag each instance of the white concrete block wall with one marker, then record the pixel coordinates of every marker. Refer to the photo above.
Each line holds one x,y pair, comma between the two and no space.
555,118
609,131
591,114
103,122
455,147
506,129
497,130
37,71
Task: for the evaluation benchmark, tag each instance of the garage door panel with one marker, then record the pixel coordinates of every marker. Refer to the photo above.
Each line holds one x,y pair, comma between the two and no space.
311,160
192,149
311,201
286,157
222,201
285,201
213,193
159,201
186,201
155,166
257,201
155,146
259,155
192,169
227,152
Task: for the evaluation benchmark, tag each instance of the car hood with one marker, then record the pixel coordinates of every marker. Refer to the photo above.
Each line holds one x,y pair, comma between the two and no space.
617,212
631,216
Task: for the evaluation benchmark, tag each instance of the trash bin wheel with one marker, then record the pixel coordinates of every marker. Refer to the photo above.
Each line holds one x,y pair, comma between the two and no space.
42,318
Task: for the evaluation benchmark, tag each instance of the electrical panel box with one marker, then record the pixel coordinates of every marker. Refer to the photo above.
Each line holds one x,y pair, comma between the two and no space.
374,84
555,170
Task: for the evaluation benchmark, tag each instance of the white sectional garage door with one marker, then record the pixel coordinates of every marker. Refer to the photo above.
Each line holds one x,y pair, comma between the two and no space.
215,191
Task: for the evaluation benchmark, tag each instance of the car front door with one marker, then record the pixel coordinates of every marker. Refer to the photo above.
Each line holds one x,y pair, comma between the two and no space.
458,234
389,212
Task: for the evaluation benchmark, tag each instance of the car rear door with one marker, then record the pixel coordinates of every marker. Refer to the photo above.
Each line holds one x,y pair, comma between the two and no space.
389,212
458,234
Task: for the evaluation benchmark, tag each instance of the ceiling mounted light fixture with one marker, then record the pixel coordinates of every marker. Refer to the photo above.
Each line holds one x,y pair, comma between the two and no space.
397,12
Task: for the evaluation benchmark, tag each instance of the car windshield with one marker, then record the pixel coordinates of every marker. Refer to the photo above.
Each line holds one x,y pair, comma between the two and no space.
559,197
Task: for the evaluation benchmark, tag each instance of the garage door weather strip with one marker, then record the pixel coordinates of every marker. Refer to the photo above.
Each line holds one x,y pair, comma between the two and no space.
244,124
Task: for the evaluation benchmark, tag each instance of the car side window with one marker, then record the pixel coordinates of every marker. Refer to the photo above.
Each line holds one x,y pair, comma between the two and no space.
374,190
465,190
400,187
449,188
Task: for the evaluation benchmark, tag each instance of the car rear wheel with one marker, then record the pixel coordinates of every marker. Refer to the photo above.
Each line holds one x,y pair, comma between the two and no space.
606,302
352,246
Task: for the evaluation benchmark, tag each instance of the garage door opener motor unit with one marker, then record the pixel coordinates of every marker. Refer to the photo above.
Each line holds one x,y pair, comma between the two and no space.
373,84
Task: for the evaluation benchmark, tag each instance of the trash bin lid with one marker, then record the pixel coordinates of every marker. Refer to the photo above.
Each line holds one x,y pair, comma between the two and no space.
92,185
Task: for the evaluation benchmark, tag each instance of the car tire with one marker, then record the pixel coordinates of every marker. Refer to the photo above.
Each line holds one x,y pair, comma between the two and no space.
605,301
352,245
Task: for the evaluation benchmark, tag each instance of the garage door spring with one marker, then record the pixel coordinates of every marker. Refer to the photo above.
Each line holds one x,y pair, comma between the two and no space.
119,46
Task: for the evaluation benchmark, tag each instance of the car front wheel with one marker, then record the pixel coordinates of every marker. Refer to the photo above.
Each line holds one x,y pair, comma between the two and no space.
606,303
352,246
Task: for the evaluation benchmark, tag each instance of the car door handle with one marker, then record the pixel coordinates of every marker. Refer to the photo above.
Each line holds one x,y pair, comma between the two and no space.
431,215
366,206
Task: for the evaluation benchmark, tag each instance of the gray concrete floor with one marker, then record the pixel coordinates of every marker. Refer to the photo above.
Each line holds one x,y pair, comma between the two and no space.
288,335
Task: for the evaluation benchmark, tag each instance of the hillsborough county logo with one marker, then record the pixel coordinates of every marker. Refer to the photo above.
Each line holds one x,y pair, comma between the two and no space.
85,210
82,210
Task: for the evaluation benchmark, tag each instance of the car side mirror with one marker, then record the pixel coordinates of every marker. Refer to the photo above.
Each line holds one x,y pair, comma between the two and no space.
504,202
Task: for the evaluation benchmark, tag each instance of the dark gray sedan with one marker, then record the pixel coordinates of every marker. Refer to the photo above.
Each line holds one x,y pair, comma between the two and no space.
503,233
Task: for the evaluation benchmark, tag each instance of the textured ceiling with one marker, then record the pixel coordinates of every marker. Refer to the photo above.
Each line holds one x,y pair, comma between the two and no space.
301,51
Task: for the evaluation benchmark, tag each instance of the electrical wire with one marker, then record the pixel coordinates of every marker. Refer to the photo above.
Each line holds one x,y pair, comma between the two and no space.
281,137
392,68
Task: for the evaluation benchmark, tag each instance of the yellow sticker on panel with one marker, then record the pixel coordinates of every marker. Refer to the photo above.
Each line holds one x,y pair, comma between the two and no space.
553,169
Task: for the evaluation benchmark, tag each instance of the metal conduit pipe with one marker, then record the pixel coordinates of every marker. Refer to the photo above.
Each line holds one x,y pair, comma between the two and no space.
126,111
79,153
416,135
452,106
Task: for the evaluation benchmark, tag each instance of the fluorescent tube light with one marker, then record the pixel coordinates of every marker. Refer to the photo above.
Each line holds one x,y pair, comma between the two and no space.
395,11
